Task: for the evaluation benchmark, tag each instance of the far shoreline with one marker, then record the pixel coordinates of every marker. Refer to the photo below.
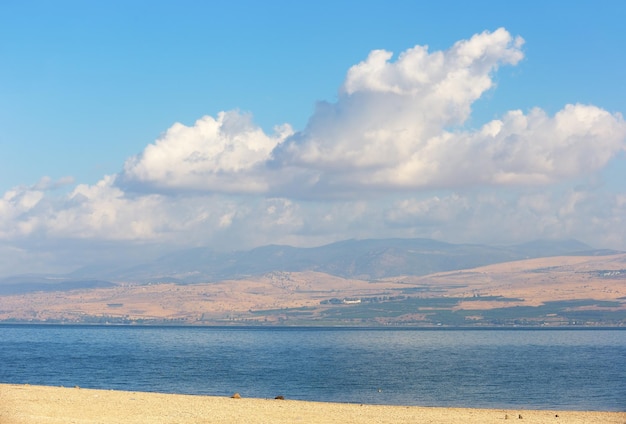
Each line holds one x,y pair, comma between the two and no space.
319,327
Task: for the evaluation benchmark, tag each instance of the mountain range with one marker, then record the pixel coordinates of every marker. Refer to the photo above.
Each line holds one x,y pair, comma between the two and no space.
368,259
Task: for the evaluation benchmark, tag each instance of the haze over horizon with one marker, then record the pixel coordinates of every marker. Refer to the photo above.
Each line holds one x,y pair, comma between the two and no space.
131,130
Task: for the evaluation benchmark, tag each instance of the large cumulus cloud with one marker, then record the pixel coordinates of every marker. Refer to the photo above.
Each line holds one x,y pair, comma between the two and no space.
397,125
388,110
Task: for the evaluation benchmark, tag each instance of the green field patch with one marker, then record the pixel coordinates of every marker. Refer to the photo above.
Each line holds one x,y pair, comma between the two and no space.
303,310
389,309
596,316
493,299
577,303
566,310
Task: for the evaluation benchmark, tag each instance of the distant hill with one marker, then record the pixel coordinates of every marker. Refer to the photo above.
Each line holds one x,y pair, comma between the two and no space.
363,259
555,291
368,259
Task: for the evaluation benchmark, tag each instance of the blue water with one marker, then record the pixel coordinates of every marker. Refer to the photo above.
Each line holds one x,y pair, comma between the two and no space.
538,369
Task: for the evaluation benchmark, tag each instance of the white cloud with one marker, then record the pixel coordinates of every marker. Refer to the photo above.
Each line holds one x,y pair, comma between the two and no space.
15,207
459,75
21,208
517,150
388,110
216,154
396,125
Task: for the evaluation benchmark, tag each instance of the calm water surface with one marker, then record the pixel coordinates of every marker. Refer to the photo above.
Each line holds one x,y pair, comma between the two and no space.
541,369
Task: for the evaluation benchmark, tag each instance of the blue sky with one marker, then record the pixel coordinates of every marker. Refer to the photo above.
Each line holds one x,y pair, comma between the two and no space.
87,90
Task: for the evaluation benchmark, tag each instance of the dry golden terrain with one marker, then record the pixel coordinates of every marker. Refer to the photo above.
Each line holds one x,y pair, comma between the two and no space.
597,282
536,281
21,404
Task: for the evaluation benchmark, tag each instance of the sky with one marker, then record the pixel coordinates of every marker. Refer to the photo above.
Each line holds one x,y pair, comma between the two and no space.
129,129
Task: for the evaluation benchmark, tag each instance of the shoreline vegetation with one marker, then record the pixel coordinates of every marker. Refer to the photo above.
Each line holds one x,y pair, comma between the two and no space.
318,326
26,404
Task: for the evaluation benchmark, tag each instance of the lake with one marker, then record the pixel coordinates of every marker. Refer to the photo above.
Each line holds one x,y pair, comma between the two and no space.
489,368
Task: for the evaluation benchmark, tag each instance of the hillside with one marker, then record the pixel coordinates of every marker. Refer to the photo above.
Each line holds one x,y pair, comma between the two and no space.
552,291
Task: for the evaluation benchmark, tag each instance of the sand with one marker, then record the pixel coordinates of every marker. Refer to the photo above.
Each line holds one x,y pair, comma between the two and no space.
26,404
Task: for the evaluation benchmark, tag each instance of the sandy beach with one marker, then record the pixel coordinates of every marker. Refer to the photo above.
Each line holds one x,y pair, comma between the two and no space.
26,404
